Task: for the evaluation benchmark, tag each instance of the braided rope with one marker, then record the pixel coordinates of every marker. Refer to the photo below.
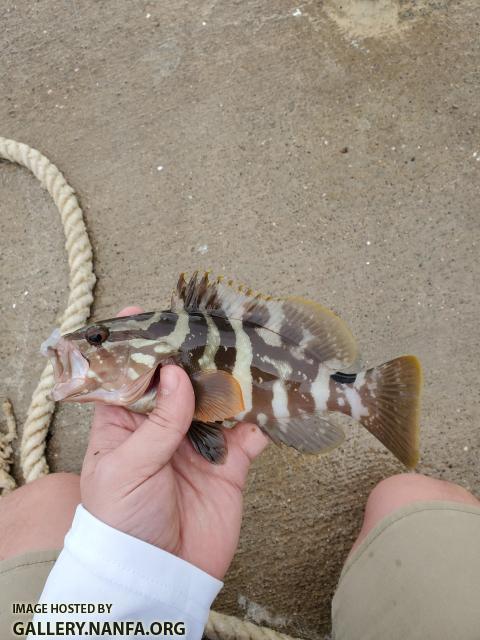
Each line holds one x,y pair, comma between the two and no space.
7,482
223,627
81,283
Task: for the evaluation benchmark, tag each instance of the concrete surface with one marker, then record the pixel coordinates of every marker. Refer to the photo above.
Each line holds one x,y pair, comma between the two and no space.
210,134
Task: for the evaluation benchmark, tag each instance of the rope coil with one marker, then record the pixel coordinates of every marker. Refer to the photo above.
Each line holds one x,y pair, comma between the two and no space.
81,282
7,482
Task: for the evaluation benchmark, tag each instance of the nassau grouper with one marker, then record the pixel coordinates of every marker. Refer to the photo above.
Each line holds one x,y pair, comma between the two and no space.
276,362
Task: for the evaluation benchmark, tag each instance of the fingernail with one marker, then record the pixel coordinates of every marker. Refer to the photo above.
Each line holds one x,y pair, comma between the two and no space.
168,380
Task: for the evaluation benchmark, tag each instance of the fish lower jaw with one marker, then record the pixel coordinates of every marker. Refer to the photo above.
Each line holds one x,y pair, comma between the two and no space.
65,391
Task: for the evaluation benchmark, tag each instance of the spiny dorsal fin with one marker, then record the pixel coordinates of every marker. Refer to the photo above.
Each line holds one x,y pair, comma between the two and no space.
313,329
205,293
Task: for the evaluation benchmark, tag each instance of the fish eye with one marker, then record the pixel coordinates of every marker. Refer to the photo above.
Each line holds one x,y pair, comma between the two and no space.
96,335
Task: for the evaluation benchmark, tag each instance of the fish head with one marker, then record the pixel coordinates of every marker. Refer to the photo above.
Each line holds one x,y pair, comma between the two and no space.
115,361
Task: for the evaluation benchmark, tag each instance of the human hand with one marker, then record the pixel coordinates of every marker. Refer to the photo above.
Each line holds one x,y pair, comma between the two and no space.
142,476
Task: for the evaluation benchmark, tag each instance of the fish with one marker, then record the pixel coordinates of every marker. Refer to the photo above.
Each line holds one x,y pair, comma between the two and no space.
282,363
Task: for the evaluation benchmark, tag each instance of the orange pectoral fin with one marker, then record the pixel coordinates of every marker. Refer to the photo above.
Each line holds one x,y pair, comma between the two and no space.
218,396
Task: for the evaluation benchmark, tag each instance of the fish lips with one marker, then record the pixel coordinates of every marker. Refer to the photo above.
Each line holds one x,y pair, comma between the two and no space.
74,384
125,395
68,390
70,370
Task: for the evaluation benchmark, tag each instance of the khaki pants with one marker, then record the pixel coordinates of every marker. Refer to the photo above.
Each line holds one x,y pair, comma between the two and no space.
21,580
415,577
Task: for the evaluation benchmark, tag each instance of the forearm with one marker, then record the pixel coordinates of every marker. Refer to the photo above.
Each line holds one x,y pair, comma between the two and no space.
142,583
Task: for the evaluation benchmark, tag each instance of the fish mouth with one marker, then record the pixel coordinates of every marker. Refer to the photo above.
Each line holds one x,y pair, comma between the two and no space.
70,368
123,396
74,383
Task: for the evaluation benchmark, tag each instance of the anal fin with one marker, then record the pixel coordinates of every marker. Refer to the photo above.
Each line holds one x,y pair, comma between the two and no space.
309,433
208,440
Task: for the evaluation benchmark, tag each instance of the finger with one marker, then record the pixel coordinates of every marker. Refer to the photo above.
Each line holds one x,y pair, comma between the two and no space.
129,311
152,445
248,438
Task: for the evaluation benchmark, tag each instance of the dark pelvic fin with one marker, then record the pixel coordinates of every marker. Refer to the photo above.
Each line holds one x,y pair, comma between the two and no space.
309,433
218,395
394,407
208,440
302,323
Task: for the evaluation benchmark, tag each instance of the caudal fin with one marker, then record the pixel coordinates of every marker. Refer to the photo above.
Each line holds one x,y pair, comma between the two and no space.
391,396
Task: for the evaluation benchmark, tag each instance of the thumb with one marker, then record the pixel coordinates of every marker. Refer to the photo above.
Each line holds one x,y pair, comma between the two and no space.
151,446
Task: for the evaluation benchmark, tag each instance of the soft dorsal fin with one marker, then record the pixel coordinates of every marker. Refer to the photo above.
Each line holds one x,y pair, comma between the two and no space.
313,329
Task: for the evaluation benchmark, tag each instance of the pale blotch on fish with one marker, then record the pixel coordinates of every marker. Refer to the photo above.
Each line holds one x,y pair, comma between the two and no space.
284,369
320,389
269,337
280,401
277,362
144,358
242,368
139,343
262,419
207,361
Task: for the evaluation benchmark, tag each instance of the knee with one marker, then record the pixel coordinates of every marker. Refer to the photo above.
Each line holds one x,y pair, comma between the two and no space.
38,515
401,490
46,491
64,486
50,494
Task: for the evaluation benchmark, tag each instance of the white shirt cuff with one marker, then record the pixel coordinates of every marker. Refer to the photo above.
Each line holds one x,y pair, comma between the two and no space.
142,582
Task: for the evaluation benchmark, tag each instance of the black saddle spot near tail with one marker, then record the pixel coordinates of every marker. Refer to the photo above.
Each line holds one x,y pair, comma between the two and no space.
344,378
